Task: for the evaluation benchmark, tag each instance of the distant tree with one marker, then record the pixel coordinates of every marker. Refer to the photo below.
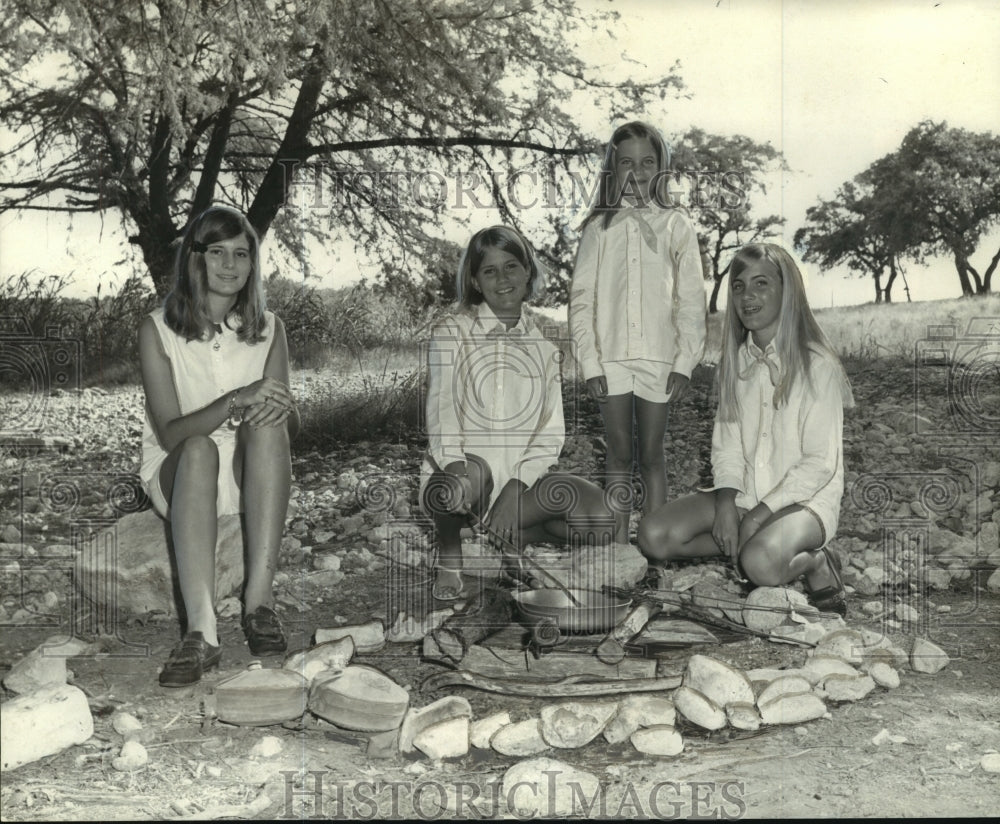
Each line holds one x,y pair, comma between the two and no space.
845,230
723,175
326,119
939,194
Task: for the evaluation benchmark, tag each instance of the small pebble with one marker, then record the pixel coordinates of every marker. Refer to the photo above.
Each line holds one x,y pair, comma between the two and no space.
268,746
133,756
801,731
213,771
954,747
125,724
990,762
943,608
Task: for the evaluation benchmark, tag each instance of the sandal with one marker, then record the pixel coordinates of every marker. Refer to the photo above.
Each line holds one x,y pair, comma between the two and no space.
188,662
448,584
830,598
263,632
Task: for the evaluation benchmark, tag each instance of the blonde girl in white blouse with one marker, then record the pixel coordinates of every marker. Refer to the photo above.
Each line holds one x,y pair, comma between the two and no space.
494,413
637,309
777,452
219,416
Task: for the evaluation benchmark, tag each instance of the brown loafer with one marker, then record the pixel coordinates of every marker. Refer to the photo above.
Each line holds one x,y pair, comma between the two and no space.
188,662
263,632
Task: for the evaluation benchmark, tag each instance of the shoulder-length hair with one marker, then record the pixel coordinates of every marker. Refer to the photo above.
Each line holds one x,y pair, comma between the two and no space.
798,339
507,239
609,187
185,309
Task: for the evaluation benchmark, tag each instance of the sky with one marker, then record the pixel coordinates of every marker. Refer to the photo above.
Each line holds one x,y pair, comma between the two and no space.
833,84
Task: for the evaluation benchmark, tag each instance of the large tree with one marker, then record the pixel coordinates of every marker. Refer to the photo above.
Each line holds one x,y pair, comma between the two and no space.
326,118
847,230
724,175
939,193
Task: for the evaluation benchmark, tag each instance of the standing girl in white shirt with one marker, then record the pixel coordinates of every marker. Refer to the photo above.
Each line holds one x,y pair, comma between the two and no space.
219,416
494,413
637,310
777,451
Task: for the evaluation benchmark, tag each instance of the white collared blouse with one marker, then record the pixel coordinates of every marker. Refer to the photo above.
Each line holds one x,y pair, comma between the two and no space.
788,455
638,291
496,393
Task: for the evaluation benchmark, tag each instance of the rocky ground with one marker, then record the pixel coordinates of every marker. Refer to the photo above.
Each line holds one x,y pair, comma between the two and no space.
918,538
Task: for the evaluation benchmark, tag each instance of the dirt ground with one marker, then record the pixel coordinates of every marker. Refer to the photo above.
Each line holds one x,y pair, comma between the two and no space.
198,767
826,768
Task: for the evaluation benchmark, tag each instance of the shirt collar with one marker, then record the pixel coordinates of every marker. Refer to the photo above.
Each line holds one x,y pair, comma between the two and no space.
486,321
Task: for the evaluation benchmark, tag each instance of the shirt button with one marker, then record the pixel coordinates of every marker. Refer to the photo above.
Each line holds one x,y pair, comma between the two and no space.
633,326
765,404
764,435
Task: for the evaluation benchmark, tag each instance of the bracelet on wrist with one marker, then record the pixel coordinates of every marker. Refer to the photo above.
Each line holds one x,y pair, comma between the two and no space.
235,412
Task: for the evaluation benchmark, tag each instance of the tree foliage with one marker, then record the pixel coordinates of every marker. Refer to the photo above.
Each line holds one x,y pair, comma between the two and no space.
328,119
939,193
844,230
724,175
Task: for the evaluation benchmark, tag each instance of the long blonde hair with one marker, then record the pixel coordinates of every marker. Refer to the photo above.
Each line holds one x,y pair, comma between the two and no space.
609,188
799,337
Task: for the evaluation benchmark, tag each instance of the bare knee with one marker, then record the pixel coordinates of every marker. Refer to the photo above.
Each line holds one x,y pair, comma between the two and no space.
657,539
273,436
481,478
761,563
199,453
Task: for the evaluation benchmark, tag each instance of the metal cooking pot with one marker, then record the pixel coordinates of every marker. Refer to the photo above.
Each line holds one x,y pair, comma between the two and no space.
597,612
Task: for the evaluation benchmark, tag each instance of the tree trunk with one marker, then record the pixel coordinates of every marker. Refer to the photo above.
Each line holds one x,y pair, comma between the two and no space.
878,285
962,264
889,282
988,276
713,303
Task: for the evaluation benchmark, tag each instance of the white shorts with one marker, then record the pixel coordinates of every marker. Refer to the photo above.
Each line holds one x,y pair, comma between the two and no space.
228,500
645,379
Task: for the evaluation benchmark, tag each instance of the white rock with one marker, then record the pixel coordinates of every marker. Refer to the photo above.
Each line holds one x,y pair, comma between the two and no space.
573,723
846,643
743,716
43,723
907,614
34,671
840,687
661,740
547,788
125,724
993,582
368,637
698,709
132,757
810,633
417,720
483,729
331,655
717,681
885,737
786,685
446,739
990,762
768,607
521,738
819,667
927,657
637,711
768,674
793,709
407,628
267,747
884,675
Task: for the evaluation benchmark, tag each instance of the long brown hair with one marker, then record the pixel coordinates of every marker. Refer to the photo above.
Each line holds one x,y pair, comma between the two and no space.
185,309
507,239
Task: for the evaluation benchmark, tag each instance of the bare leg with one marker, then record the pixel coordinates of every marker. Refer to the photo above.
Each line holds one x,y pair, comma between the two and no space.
651,424
617,412
448,524
680,530
549,506
263,460
189,479
781,550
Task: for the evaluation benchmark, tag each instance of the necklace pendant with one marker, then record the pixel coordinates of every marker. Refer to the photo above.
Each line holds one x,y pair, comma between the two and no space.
217,345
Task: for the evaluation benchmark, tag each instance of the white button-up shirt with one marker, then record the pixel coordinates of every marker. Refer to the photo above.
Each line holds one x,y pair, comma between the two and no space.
638,291
495,393
788,455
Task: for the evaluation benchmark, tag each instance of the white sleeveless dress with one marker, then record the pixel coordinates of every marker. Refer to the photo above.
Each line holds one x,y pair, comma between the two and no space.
201,373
